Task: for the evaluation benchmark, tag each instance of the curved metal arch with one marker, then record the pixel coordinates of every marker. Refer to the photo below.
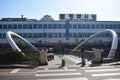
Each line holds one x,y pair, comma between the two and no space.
14,45
114,41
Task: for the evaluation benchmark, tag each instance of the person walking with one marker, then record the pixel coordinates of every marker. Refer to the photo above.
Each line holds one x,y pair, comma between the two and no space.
83,58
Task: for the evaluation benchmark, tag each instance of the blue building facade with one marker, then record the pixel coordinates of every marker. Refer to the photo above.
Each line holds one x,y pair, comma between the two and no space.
48,30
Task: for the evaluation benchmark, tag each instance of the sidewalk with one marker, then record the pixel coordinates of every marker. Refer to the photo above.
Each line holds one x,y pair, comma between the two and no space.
16,66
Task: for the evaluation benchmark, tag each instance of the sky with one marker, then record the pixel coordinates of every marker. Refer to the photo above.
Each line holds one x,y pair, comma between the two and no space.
106,10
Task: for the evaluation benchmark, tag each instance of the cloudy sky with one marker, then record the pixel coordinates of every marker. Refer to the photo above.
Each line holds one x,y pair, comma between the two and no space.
106,10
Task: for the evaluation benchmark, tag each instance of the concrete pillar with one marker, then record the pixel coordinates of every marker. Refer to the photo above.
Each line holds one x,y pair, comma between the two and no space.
97,56
43,58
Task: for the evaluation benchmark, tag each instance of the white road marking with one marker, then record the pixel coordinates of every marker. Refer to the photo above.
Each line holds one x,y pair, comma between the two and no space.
102,70
15,71
46,68
56,70
81,78
105,74
59,74
112,79
98,67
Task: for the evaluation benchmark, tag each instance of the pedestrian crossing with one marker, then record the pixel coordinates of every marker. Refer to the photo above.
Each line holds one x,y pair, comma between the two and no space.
103,72
84,73
59,74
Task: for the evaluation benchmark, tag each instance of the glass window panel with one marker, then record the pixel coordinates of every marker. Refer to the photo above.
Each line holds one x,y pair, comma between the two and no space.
84,26
0,35
74,34
88,26
45,26
24,26
29,35
9,26
59,26
79,26
93,26
49,26
64,26
4,35
35,35
74,26
54,26
25,35
40,35
29,26
34,26
40,26
19,26
0,26
4,26
14,26
102,26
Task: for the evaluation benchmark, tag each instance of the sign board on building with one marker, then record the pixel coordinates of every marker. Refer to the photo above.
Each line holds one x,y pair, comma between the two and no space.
78,17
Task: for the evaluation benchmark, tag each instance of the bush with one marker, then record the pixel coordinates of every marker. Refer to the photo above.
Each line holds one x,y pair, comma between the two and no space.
16,57
11,57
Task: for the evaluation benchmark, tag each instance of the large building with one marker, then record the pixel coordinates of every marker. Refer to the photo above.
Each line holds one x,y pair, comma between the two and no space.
70,28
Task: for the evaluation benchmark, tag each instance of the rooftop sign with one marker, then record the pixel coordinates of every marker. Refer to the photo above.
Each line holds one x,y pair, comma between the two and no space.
78,17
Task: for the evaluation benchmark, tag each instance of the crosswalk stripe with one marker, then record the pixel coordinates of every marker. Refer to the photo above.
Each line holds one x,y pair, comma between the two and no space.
102,70
81,78
105,74
56,70
15,71
112,79
100,67
59,74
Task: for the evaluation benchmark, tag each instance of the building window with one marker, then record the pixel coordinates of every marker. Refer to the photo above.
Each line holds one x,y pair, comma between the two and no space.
119,26
44,26
4,35
106,26
0,35
14,26
97,26
40,26
25,26
4,26
34,26
74,34
102,26
29,26
64,26
59,26
40,35
74,26
79,26
115,26
59,35
35,35
93,26
9,26
0,26
25,35
49,35
19,26
49,26
29,35
88,26
54,26
84,26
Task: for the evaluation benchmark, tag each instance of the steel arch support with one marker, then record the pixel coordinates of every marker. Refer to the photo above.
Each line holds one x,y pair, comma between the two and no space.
14,45
114,41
